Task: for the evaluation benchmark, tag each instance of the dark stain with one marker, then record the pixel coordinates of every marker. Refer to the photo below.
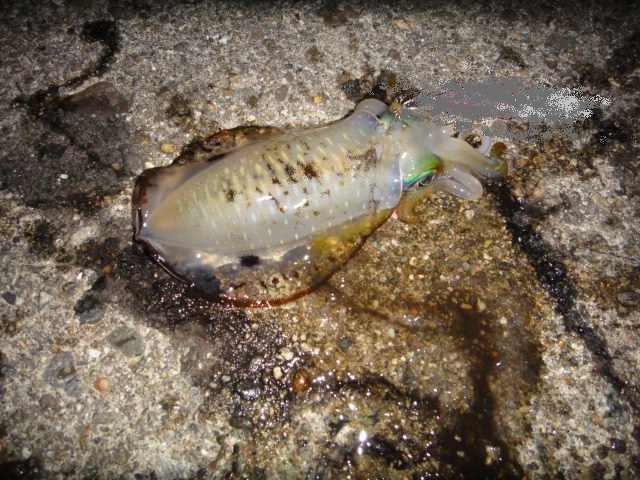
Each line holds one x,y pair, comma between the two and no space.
249,260
179,110
40,236
230,195
332,15
614,138
105,32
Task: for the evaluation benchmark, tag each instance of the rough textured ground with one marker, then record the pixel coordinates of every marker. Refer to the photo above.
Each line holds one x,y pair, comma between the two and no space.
495,339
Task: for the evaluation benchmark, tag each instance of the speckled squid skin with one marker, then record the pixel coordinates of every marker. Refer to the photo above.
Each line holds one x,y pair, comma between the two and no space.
267,221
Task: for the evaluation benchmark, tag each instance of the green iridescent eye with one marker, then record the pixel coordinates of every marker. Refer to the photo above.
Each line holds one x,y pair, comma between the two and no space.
422,172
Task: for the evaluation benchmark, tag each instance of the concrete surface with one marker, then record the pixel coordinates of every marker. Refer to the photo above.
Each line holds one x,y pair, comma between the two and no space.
495,339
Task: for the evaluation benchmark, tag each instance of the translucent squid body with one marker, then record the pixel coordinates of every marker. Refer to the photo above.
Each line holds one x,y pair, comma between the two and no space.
257,217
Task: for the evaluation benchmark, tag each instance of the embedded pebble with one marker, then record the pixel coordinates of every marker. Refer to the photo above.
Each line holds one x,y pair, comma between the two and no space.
43,299
101,99
167,148
9,297
286,354
48,402
102,385
89,308
248,389
629,298
127,341
61,373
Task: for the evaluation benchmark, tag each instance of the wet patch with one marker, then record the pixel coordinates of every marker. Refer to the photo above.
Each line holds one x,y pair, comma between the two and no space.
552,275
475,431
28,469
624,59
81,158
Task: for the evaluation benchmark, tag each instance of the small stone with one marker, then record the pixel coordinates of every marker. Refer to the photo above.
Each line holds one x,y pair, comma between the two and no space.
167,148
48,402
61,373
9,297
286,354
92,354
601,202
101,417
121,455
629,298
451,60
127,341
102,384
300,382
277,373
101,99
344,344
248,389
43,299
89,308
281,93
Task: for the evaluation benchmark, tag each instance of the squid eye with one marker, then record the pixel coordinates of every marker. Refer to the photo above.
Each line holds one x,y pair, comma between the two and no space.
421,180
426,178
422,172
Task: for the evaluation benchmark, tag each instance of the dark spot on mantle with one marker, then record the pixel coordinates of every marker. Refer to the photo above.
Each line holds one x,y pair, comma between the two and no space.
249,260
310,171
